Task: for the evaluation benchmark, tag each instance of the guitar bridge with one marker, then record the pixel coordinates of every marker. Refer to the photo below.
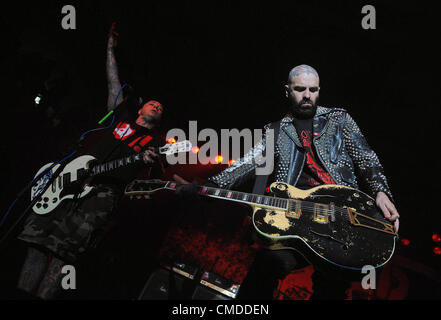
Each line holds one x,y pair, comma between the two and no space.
332,212
378,225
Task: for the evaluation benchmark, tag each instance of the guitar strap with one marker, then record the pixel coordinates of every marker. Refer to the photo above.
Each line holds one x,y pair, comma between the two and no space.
262,180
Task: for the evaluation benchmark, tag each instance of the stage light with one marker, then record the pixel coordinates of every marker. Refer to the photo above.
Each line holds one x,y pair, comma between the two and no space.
219,159
195,149
437,250
231,162
171,140
436,237
405,242
38,98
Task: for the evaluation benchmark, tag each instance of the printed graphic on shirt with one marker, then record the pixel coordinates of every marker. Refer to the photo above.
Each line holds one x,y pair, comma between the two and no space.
320,176
124,131
142,143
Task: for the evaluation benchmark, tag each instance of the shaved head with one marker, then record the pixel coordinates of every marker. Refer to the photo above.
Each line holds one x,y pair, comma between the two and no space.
301,69
302,90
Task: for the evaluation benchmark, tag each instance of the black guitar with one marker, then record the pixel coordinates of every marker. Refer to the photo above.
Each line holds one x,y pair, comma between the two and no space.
332,223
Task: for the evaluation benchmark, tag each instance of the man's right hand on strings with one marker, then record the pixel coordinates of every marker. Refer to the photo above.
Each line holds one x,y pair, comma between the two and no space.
149,156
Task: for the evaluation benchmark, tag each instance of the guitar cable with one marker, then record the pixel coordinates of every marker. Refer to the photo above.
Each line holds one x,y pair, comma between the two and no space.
3,220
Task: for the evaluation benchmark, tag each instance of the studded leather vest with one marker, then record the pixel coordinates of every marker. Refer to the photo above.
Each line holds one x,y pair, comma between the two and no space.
340,146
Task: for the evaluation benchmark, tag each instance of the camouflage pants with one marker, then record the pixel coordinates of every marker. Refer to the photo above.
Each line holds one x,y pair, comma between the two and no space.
70,229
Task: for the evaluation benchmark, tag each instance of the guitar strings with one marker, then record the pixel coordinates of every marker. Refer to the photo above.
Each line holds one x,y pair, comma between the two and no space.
304,204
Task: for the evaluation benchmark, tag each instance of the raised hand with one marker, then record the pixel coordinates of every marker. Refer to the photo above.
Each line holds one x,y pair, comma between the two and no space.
113,36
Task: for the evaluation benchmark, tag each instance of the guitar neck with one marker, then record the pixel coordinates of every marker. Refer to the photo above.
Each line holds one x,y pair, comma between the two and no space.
115,164
183,146
236,196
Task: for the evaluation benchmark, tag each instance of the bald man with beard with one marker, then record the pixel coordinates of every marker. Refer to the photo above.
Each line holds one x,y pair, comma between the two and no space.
316,145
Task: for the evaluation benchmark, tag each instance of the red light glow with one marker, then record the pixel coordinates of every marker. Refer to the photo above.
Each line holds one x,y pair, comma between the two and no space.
219,159
437,250
436,237
195,149
405,242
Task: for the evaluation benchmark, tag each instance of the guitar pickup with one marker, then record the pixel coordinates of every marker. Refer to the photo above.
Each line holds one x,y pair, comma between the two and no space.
295,209
321,213
66,178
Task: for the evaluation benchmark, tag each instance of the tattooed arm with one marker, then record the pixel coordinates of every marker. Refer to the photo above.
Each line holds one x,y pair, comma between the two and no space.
244,168
113,83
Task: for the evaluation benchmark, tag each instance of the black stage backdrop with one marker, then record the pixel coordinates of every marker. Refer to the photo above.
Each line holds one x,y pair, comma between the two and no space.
224,64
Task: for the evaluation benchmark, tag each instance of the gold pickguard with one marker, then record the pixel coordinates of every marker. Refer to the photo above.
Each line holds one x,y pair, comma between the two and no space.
295,193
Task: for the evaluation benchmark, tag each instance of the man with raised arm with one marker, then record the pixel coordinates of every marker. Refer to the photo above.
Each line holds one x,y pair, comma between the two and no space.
75,226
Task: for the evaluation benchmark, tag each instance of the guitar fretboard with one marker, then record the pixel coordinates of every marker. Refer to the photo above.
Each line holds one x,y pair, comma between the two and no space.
115,164
248,198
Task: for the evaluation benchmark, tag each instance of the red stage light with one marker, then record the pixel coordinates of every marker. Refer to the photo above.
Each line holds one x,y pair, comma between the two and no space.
219,159
231,162
405,242
195,149
437,250
171,140
436,237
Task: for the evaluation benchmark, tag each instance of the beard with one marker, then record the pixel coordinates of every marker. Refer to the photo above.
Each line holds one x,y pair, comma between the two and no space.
151,117
301,111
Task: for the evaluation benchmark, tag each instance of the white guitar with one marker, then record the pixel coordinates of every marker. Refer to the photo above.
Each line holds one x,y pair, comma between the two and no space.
70,182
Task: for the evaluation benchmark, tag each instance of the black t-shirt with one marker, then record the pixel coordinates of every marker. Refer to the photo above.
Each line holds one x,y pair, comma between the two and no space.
123,138
313,173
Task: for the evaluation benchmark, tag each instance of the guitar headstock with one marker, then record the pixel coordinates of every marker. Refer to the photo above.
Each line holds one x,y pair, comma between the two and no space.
183,146
144,188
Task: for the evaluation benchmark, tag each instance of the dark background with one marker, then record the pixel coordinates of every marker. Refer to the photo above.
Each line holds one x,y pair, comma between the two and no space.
224,64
